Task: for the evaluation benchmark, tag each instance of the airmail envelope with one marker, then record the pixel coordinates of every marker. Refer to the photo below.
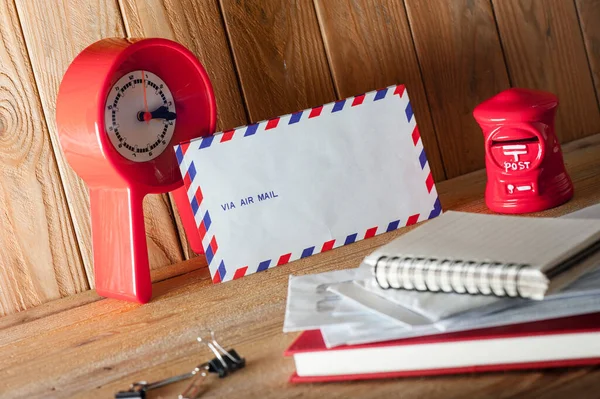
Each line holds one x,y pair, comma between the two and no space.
269,193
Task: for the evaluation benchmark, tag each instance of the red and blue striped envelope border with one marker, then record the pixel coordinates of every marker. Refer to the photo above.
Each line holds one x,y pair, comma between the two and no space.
219,269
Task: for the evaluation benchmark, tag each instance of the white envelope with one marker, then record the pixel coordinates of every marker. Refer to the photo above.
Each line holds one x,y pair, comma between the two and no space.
290,187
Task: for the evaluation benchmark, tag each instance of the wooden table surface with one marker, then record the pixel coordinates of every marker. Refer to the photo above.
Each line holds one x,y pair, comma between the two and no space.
86,346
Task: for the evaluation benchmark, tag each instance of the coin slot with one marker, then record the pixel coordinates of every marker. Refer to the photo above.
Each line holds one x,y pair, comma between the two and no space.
496,143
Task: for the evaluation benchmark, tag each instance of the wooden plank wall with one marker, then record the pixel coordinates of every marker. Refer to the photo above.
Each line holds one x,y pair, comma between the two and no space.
266,58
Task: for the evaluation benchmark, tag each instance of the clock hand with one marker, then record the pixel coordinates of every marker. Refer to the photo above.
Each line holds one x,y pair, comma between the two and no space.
146,114
161,112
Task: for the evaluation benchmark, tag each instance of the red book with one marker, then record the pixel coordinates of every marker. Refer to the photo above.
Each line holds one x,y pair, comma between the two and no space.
570,341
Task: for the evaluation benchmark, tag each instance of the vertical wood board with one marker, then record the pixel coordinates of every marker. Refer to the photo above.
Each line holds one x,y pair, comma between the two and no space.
279,55
544,50
462,64
39,255
369,46
589,19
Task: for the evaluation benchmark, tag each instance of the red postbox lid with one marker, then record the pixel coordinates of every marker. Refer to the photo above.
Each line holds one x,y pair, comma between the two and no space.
516,105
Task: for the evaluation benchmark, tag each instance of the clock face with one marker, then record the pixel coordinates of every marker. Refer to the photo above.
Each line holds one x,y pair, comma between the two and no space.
139,116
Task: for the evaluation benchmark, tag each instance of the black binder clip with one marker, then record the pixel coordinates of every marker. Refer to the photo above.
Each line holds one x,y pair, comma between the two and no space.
224,363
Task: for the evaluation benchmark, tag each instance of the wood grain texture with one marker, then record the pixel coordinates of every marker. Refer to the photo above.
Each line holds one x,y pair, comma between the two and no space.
162,237
589,15
279,55
196,24
39,256
48,309
101,346
544,50
462,64
188,253
54,36
369,46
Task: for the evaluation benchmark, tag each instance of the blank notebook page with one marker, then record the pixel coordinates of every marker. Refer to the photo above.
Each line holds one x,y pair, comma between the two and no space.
539,242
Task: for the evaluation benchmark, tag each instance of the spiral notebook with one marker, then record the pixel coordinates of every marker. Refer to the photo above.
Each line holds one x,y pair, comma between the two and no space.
470,253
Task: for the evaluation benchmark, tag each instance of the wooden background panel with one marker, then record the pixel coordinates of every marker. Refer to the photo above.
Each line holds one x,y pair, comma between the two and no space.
54,36
279,55
589,18
544,50
462,64
39,257
369,46
267,58
198,25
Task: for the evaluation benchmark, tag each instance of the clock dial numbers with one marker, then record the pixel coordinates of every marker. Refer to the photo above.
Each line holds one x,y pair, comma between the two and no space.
140,116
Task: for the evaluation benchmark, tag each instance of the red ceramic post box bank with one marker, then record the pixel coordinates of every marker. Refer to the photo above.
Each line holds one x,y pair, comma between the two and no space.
524,162
121,107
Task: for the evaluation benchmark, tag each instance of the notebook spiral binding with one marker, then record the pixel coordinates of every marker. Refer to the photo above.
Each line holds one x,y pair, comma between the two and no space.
430,274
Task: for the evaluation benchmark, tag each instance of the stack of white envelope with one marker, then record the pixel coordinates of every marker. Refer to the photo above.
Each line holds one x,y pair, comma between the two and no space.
349,309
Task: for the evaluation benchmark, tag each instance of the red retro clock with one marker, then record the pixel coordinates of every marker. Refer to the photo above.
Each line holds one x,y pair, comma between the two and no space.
121,107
